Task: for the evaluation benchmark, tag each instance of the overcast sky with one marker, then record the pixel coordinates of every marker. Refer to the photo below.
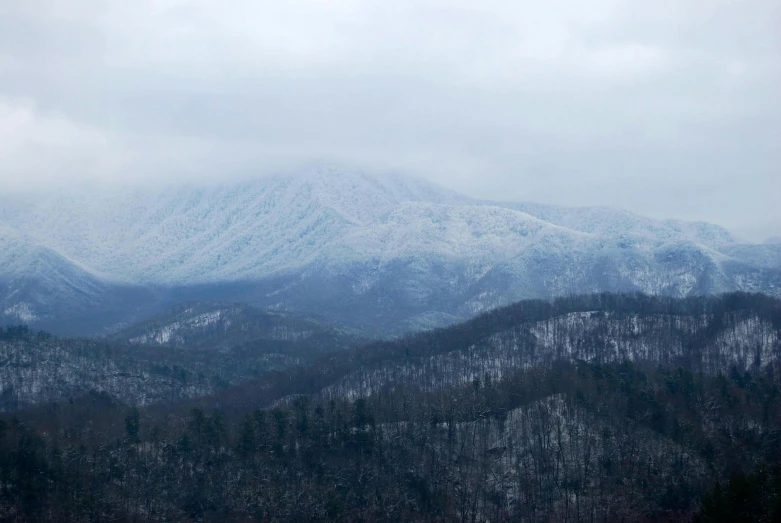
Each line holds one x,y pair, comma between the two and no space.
667,108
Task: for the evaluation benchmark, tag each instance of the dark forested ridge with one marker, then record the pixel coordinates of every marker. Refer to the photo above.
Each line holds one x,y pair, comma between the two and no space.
592,408
710,334
193,352
225,326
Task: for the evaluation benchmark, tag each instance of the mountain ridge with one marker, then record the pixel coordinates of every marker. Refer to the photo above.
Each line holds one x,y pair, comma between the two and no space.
387,253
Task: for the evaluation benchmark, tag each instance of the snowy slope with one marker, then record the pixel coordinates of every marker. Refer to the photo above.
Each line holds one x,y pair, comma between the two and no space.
195,234
33,276
387,252
618,223
39,286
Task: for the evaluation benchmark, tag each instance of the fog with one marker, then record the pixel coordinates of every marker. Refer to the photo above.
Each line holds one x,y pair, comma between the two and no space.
669,109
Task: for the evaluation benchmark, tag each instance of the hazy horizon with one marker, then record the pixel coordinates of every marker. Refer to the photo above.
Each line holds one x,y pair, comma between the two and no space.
668,111
98,186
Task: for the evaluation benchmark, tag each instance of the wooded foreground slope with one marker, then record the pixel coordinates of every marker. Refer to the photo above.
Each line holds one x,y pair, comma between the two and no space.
594,408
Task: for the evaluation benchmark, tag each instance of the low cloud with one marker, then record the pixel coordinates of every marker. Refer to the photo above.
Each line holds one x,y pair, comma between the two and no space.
667,109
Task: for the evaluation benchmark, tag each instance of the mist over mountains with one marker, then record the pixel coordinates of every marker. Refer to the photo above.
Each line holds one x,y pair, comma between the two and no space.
383,253
210,313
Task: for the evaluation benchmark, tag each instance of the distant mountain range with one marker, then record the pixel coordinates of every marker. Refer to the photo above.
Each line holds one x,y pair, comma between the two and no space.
383,254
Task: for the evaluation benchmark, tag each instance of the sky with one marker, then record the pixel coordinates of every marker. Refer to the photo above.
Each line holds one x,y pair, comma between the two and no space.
670,109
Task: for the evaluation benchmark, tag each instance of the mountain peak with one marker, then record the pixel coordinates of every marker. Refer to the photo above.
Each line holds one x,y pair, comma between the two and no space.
363,196
370,241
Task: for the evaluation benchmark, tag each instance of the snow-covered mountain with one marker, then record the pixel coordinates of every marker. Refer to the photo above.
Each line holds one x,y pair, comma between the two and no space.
183,235
380,252
39,286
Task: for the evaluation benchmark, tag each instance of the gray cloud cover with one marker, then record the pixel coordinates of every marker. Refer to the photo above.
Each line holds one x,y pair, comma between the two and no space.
671,108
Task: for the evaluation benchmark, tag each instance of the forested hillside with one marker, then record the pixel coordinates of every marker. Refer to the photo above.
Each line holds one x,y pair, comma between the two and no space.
600,329
200,359
593,408
222,326
574,442
706,334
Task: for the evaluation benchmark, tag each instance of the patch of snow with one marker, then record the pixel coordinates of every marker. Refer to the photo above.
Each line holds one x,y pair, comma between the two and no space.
23,311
